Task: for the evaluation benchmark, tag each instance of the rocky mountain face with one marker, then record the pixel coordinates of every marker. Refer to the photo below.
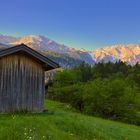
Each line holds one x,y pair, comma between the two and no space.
68,57
127,53
6,39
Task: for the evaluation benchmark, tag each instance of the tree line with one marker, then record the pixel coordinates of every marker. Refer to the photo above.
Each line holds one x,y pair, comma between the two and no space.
108,90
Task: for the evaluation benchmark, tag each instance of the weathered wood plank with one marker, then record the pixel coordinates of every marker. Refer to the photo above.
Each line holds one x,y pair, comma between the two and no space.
21,84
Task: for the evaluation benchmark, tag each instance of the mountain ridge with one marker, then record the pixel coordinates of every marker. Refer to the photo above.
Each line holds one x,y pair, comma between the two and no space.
129,53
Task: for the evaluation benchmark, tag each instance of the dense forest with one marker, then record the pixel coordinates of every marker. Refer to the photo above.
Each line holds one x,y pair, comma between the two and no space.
105,90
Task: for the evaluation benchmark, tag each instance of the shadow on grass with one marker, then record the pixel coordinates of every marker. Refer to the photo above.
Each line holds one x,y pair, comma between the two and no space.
29,114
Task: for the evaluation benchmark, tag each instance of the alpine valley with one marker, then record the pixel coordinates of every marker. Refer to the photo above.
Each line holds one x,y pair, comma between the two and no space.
69,57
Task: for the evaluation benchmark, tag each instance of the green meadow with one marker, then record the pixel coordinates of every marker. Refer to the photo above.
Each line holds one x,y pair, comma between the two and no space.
62,122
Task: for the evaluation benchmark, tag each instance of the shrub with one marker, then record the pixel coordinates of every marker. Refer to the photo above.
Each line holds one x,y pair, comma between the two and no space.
110,98
107,91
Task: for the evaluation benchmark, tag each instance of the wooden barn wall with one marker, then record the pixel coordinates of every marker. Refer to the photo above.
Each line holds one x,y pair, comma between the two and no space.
21,84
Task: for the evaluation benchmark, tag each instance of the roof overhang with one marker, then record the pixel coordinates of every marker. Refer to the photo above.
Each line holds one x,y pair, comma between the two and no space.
48,64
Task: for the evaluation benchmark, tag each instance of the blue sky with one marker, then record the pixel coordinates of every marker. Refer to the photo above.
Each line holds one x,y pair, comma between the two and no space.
85,24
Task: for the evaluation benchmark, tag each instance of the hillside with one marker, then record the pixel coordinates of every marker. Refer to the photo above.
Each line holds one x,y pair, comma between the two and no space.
62,122
69,57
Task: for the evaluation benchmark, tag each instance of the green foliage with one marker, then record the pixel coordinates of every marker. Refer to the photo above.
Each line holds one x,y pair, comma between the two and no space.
111,98
107,90
65,78
69,94
83,72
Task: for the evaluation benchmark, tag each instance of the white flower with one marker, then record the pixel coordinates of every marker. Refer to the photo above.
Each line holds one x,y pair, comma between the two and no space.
71,134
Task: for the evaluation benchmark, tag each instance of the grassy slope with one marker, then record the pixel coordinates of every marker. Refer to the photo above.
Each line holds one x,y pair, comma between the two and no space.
62,123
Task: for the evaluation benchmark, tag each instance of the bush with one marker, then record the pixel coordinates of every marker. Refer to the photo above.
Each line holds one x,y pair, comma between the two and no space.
65,78
114,96
110,98
69,94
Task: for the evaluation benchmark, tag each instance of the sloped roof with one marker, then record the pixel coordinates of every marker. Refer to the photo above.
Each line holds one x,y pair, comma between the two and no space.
48,64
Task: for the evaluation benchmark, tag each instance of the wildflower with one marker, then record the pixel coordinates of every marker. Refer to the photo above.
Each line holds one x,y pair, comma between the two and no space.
30,138
25,134
71,134
13,117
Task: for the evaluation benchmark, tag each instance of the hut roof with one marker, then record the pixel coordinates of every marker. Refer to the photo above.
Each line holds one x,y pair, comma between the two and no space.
48,64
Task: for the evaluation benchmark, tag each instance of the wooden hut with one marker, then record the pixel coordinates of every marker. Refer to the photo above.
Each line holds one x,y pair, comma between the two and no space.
22,73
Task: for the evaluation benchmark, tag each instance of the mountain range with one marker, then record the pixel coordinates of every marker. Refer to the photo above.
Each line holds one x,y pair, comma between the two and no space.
68,57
